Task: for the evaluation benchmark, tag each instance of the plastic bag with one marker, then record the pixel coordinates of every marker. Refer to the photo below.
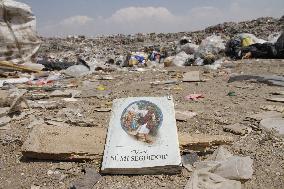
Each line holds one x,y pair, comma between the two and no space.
211,45
19,41
77,71
181,58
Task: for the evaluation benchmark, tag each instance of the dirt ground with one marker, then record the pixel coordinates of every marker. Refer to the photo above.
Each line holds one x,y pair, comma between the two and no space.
214,111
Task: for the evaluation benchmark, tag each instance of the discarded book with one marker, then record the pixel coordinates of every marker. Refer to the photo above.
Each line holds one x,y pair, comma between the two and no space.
142,137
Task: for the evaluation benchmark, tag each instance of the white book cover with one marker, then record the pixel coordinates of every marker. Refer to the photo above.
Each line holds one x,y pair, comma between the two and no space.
142,137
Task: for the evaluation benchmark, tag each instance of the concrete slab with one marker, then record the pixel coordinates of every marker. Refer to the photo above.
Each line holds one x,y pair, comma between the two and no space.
64,143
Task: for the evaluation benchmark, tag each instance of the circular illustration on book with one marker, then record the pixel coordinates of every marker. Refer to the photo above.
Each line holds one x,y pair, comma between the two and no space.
142,119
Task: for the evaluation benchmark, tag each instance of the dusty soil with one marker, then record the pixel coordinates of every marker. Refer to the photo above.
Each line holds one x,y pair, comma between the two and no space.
214,111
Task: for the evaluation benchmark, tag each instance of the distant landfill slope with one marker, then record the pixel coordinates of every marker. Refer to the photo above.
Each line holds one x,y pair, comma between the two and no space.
117,45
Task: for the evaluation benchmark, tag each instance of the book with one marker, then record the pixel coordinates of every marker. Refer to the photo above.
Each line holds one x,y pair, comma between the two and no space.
142,137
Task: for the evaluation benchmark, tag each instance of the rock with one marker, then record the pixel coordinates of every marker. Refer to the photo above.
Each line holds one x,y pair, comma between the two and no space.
273,123
4,111
237,129
64,143
227,165
220,154
264,115
202,141
35,187
35,122
88,180
188,160
273,108
192,76
267,79
58,93
103,109
45,104
4,121
279,99
278,93
173,81
18,97
236,168
184,115
206,180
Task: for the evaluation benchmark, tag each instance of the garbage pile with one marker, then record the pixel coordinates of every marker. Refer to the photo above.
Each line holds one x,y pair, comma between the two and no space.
212,46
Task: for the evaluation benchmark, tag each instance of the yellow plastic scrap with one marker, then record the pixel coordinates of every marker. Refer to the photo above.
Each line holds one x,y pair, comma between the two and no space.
101,88
247,41
133,62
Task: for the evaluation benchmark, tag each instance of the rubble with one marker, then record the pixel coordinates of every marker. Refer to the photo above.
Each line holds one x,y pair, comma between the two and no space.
237,129
64,143
273,123
202,141
193,76
90,178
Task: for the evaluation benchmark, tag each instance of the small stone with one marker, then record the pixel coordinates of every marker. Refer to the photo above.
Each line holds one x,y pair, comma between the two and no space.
4,121
278,99
264,115
184,115
236,129
273,123
88,180
49,172
4,111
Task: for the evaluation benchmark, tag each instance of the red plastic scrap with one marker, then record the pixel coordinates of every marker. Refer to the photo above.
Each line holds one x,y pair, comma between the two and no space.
194,96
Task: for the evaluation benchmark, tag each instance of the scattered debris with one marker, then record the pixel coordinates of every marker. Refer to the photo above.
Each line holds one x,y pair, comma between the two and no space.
267,79
221,170
184,115
237,129
275,99
206,180
194,97
188,160
192,76
232,93
265,115
273,108
273,123
201,142
174,81
57,143
88,180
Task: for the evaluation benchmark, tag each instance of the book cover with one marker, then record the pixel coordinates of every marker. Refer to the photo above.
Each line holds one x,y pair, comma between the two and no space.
142,137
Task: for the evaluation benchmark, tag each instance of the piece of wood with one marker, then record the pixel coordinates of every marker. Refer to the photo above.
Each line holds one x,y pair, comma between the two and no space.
64,143
202,141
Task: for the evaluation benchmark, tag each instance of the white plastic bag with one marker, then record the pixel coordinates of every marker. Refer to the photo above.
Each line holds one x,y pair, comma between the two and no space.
18,38
181,58
210,45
